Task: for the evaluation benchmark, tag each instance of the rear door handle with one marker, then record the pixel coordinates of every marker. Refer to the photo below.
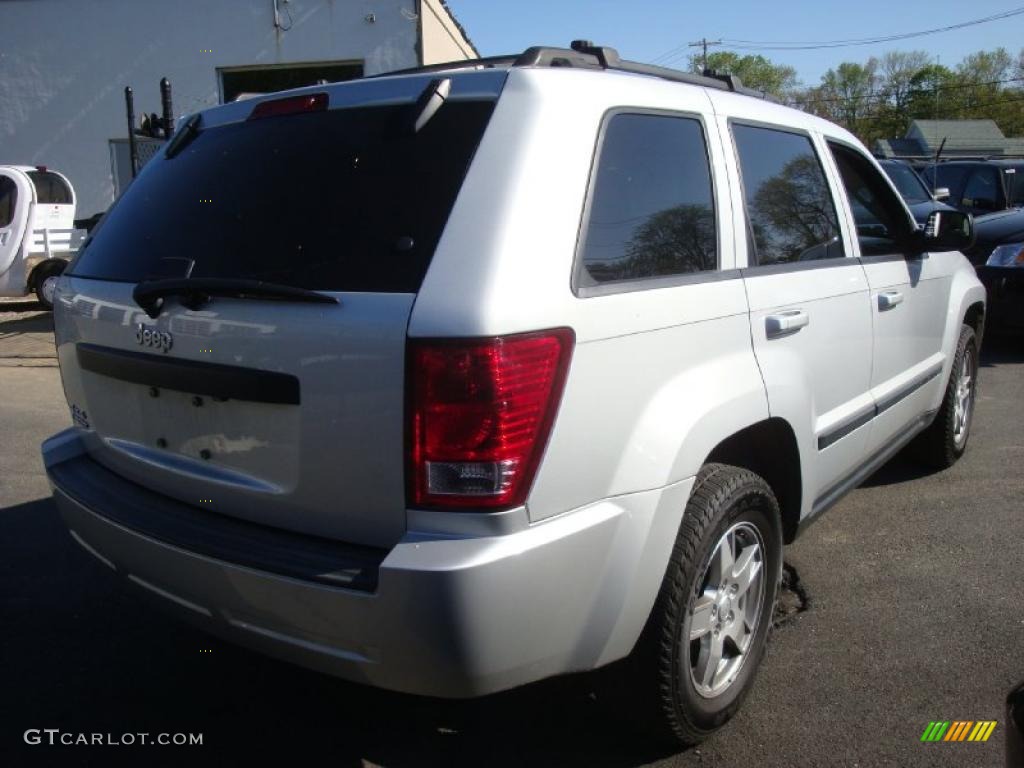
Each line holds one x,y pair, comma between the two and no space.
889,299
785,323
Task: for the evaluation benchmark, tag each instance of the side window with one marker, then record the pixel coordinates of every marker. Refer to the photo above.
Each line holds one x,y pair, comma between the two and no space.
651,212
50,188
790,209
8,200
982,190
882,223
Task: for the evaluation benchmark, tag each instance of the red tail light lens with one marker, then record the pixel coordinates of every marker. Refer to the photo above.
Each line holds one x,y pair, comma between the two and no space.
481,411
314,102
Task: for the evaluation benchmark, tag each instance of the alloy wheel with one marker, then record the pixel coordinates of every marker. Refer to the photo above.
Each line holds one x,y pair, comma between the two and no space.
725,611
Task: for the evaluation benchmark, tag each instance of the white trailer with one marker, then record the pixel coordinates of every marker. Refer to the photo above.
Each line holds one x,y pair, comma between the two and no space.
37,230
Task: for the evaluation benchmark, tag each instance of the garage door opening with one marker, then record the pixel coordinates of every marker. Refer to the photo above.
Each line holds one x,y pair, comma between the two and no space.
238,82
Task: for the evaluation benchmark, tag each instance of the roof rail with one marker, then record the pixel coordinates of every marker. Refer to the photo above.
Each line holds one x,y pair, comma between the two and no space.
583,54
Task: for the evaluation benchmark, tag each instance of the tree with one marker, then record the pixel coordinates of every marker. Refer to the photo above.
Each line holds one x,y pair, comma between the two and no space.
897,72
931,93
851,88
756,72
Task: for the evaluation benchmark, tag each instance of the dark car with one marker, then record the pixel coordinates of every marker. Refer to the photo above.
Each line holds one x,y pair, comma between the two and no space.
979,186
998,255
992,190
914,191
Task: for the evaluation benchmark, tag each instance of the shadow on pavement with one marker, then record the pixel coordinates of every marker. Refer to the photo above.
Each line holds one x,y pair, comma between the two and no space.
28,304
87,654
35,323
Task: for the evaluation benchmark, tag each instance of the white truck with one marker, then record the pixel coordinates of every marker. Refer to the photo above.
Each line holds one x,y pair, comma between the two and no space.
37,230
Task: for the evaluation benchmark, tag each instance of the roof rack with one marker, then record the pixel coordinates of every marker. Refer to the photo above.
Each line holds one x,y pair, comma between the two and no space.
583,54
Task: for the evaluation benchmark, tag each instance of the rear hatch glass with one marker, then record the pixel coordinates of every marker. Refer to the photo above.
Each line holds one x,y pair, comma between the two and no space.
349,202
343,200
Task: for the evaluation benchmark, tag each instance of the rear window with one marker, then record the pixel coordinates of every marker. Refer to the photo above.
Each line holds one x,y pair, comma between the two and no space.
343,200
50,188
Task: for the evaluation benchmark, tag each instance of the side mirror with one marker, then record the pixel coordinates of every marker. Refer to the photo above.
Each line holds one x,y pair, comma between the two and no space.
947,231
941,193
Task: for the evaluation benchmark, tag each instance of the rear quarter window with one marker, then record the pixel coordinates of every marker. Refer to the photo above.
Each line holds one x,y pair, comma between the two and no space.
651,210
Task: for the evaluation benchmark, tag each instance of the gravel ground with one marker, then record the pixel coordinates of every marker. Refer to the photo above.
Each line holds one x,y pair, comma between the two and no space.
914,613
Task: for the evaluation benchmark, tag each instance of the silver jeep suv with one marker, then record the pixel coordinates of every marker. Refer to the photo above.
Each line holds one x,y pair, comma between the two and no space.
456,379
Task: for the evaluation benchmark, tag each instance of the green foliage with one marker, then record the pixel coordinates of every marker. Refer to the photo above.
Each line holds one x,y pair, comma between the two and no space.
755,72
878,98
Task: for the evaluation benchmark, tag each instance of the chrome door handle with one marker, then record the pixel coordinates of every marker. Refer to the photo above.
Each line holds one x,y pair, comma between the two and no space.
785,323
3,238
889,299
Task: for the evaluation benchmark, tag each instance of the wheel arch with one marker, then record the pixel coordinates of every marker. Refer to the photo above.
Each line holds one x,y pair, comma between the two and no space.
41,267
975,317
769,449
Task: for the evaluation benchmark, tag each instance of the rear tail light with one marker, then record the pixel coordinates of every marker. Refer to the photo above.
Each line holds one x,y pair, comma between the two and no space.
313,102
481,411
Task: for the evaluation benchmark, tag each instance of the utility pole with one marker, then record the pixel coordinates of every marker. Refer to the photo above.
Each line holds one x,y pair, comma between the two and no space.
703,43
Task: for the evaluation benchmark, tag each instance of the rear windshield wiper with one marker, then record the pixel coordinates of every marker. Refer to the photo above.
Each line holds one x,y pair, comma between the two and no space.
194,292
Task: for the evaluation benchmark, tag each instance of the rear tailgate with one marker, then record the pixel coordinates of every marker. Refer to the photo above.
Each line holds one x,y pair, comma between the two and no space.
283,413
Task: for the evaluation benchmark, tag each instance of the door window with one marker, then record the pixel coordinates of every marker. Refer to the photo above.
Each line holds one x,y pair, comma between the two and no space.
790,210
651,212
882,223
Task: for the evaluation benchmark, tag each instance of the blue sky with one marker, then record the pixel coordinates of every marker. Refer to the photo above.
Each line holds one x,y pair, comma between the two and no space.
646,29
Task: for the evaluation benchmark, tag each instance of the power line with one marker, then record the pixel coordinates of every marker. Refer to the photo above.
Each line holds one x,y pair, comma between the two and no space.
794,45
704,43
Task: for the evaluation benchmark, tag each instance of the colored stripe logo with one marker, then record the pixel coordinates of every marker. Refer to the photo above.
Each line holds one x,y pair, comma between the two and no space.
958,730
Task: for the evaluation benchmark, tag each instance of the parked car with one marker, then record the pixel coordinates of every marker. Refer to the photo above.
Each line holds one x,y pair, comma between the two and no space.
37,232
979,186
548,359
915,193
993,190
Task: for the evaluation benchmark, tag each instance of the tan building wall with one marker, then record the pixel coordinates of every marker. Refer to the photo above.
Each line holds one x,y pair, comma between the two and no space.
443,40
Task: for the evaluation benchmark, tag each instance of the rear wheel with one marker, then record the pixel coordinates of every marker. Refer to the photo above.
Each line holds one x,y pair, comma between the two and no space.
702,645
45,282
945,440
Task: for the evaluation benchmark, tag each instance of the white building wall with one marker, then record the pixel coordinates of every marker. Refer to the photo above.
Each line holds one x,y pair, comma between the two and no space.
64,65
442,38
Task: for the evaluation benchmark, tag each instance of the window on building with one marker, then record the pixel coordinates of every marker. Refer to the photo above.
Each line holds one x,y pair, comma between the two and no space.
789,207
282,77
651,212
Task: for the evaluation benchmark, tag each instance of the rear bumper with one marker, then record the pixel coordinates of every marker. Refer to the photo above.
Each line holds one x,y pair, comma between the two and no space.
442,616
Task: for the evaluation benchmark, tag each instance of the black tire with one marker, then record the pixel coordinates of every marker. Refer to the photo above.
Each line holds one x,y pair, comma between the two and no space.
665,691
39,277
937,447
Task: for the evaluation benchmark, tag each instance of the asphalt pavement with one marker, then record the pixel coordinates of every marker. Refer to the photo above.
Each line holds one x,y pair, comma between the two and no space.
914,612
